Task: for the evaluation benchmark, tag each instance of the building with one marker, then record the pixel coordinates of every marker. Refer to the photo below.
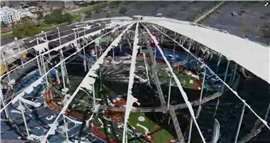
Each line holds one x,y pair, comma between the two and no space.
14,3
33,9
25,13
9,15
4,3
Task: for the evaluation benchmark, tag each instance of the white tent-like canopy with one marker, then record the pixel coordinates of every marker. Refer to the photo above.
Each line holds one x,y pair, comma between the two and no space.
250,55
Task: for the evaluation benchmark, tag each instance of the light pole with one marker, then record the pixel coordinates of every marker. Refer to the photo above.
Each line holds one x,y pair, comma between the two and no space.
59,35
45,34
21,54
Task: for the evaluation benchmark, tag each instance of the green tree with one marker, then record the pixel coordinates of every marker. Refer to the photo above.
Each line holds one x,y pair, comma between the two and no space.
108,15
3,25
265,31
48,19
39,15
24,29
115,3
122,10
57,17
68,18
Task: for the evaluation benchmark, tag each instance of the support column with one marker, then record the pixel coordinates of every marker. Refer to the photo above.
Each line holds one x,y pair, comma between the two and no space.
45,35
4,105
113,55
6,67
169,93
219,60
94,96
59,35
225,76
146,68
162,36
22,109
100,79
84,54
177,127
18,46
240,122
61,52
223,86
173,49
44,69
96,52
200,107
201,93
156,79
38,58
66,128
84,60
234,72
67,76
63,71
189,47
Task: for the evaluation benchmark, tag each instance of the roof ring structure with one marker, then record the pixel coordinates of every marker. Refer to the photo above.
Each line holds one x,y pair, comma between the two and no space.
74,78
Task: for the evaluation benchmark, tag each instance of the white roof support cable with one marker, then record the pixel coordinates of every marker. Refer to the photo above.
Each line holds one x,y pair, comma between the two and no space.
57,65
240,123
235,93
184,95
56,48
87,81
130,98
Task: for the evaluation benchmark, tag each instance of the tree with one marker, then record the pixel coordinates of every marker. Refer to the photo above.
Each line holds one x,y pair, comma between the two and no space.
57,17
68,18
112,3
48,19
24,29
3,25
122,10
265,31
108,15
39,15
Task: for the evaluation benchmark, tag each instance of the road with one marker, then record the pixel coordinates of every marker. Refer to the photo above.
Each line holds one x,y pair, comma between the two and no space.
207,13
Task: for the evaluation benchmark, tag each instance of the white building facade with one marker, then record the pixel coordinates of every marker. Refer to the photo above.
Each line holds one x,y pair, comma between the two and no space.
9,15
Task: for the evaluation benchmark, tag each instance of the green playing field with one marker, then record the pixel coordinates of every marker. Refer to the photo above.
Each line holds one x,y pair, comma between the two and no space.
159,135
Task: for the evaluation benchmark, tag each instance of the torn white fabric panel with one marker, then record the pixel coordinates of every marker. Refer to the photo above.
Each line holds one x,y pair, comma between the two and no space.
232,47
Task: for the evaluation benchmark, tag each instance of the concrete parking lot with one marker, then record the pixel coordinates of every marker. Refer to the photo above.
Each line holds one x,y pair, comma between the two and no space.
254,16
250,16
177,9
